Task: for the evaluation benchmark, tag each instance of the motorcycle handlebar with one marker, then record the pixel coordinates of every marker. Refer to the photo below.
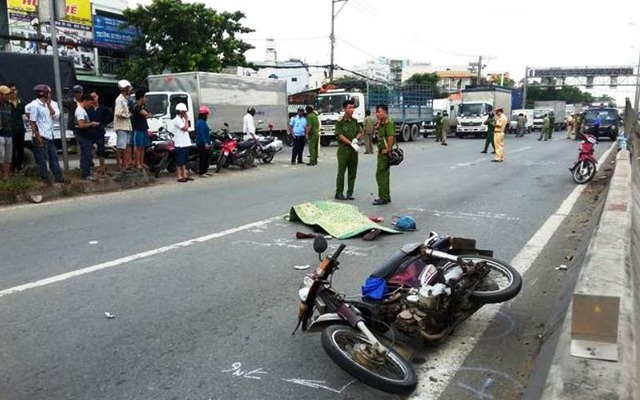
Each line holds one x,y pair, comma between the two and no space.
338,251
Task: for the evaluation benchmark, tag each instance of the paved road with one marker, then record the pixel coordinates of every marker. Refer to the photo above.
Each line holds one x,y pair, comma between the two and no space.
200,278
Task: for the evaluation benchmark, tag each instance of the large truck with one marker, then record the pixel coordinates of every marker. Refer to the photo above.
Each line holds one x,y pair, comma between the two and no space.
542,108
227,96
440,106
477,103
513,120
29,70
410,106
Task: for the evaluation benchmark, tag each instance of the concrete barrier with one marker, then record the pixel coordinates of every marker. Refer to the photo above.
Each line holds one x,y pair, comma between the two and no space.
596,355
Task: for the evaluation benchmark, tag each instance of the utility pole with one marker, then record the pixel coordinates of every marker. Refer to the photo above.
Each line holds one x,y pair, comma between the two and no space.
332,38
58,83
479,77
524,89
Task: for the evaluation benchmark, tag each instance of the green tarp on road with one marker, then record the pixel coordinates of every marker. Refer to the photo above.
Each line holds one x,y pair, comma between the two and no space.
339,220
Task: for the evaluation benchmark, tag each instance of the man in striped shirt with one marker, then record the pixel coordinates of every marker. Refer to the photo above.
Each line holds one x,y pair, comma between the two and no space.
42,113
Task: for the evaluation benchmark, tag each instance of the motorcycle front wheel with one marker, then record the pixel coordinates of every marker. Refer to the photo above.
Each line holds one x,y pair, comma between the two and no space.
221,163
352,351
501,284
584,172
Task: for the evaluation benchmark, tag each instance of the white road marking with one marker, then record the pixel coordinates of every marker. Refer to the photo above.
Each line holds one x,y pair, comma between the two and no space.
128,259
478,160
454,352
465,215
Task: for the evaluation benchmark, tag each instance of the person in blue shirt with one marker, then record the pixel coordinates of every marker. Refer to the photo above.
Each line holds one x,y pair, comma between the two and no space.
203,140
298,128
596,125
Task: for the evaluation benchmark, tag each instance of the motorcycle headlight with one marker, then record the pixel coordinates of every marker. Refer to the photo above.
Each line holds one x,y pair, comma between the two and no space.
305,287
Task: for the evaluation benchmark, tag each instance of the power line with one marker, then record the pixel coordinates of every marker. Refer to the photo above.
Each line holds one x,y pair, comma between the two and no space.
357,7
360,50
366,7
287,39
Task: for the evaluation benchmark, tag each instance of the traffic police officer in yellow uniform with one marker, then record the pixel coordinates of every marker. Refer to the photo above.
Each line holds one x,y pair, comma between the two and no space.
348,131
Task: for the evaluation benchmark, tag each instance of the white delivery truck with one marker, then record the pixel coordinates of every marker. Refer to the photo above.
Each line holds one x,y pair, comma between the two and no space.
227,96
477,103
528,113
410,107
542,108
440,106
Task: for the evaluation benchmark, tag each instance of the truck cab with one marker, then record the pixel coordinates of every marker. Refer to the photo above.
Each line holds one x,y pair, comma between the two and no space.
471,117
329,108
538,118
162,106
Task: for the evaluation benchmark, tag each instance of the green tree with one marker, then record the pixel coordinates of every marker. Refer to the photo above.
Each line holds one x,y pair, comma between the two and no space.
606,99
350,82
569,94
429,79
183,37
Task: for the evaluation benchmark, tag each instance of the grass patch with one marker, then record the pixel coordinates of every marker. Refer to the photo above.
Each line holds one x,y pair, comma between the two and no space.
17,185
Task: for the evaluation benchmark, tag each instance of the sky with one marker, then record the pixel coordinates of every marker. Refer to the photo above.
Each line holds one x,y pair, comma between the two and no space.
510,35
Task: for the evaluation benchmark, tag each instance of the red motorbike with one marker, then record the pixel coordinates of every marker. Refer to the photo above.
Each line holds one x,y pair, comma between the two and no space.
233,152
585,167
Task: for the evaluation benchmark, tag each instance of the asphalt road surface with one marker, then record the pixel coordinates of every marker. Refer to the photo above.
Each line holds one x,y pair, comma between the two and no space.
200,278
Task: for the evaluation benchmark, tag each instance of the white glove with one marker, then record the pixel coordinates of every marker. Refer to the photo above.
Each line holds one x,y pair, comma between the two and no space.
354,145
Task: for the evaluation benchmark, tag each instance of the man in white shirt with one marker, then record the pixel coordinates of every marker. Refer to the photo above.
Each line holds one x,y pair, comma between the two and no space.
179,126
248,125
122,125
83,134
42,113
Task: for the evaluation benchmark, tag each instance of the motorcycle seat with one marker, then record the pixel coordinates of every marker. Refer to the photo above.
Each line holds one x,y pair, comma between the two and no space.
393,264
245,145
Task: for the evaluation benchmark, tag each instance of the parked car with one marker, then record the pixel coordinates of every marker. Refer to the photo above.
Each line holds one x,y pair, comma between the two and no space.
609,122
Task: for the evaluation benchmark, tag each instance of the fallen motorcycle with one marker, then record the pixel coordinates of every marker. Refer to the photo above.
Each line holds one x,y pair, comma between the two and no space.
423,292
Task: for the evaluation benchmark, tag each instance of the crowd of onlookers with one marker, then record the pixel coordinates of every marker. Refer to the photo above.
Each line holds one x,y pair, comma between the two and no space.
87,119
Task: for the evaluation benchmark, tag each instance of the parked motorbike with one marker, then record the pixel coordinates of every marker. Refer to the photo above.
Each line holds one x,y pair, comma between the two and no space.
423,291
267,147
233,152
158,156
584,169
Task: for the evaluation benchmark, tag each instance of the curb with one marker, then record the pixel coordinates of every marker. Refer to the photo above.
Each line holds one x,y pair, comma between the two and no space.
606,281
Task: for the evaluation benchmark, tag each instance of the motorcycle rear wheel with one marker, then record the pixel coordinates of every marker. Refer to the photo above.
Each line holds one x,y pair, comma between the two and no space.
502,284
583,172
396,375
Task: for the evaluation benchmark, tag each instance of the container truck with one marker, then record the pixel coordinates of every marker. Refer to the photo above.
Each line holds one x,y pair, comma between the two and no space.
410,107
477,103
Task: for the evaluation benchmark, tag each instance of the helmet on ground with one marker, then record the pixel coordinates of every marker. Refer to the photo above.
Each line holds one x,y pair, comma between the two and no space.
181,107
204,110
405,223
396,156
123,84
